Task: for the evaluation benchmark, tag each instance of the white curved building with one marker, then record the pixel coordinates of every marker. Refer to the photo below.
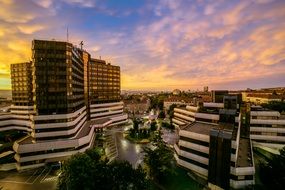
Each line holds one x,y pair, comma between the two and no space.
251,127
60,99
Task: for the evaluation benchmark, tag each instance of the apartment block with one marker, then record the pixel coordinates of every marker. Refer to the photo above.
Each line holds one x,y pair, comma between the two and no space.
104,82
267,129
211,144
21,80
57,101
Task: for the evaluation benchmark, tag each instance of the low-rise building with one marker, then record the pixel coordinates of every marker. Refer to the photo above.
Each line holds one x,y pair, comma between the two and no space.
261,98
214,143
202,128
177,100
136,104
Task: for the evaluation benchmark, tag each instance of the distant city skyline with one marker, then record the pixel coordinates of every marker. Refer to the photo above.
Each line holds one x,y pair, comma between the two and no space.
159,46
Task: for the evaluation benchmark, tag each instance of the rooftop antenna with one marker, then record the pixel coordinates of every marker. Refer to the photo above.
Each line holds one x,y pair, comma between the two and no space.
81,44
67,34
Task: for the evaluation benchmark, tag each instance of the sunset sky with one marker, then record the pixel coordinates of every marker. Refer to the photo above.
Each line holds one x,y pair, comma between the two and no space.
159,45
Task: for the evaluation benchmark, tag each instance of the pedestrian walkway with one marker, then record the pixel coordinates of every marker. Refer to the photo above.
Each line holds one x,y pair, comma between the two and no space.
111,146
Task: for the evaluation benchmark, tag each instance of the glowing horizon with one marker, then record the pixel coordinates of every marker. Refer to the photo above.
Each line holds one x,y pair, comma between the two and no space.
159,46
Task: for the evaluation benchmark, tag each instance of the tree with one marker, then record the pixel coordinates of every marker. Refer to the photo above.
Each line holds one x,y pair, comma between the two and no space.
125,177
132,132
161,114
272,173
156,102
153,126
160,104
170,111
277,106
88,171
135,125
167,125
153,103
159,161
94,153
75,171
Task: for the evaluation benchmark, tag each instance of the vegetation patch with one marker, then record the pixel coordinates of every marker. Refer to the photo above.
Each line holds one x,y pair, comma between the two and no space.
89,171
141,134
272,172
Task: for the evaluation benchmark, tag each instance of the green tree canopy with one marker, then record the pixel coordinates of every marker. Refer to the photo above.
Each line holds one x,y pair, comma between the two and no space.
161,114
273,173
159,161
156,102
277,106
170,111
153,126
87,171
167,125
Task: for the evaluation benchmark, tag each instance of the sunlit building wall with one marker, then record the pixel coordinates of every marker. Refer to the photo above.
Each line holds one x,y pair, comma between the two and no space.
52,101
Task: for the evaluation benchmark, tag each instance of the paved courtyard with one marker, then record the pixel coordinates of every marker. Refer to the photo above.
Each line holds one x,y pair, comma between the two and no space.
46,178
41,178
125,149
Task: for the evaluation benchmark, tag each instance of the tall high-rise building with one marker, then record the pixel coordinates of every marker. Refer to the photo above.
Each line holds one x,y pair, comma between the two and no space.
21,79
104,91
104,82
58,71
206,88
22,98
61,98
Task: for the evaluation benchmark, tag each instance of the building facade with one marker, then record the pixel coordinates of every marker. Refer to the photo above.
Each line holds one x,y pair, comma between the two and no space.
21,80
210,144
177,101
259,99
59,110
104,82
208,131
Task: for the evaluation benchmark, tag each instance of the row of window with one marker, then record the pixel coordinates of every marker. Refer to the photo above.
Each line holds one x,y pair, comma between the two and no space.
267,133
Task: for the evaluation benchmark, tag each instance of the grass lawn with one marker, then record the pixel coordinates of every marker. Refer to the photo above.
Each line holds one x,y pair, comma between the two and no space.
180,181
137,140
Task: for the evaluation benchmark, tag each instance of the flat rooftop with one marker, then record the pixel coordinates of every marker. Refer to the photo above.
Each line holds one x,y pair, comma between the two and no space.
84,131
25,140
205,128
198,127
99,121
244,153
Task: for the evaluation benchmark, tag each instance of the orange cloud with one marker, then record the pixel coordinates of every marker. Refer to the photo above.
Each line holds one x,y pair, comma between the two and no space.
30,29
181,47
